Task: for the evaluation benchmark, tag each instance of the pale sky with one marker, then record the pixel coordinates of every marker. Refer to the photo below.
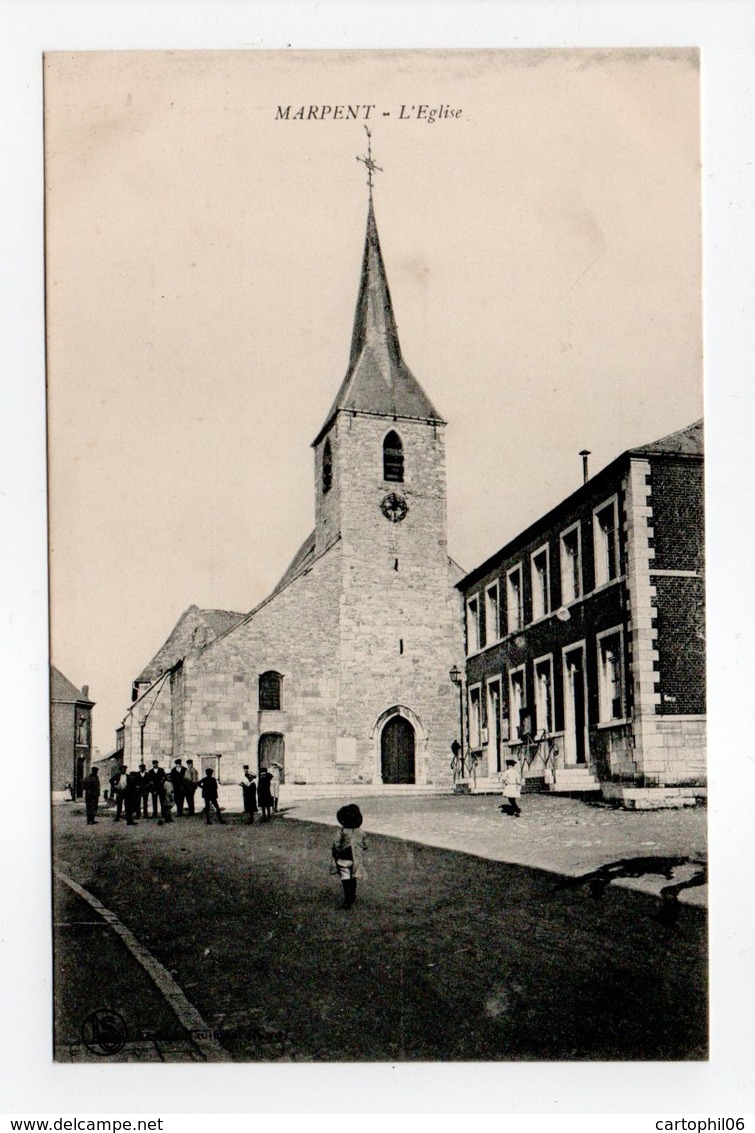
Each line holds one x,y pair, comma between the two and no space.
543,254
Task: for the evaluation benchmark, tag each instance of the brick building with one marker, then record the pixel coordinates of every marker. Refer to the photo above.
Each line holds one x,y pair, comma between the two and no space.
70,733
342,674
585,635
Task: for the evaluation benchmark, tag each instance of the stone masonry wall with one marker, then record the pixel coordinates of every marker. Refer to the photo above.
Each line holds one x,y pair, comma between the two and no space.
400,618
295,634
682,755
156,708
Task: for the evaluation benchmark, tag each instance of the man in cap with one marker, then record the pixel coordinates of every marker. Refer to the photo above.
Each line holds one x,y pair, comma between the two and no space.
92,795
143,788
155,780
190,784
249,792
119,788
209,789
132,796
177,779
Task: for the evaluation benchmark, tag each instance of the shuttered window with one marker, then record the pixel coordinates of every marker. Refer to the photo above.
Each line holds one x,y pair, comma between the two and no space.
393,458
270,692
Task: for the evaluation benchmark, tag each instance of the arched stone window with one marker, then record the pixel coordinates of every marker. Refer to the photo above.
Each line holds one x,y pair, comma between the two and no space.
327,467
393,458
270,691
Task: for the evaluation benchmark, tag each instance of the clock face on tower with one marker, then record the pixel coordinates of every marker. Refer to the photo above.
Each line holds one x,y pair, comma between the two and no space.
394,507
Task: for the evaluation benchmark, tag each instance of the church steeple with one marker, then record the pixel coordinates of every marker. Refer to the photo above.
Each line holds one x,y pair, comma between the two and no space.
378,381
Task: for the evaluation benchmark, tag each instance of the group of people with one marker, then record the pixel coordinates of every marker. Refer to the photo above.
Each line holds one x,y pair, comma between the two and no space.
261,795
134,791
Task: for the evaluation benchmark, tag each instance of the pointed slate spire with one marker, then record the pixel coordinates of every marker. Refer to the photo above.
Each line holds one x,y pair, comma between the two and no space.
378,381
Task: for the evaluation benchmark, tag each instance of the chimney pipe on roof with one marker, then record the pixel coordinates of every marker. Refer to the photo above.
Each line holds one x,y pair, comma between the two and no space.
584,454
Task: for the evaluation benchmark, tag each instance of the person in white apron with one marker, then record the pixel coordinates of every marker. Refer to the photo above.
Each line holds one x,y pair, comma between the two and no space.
512,787
275,783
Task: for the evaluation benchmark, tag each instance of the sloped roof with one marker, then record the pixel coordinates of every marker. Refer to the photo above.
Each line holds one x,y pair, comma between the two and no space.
220,620
179,641
378,381
63,690
685,442
301,560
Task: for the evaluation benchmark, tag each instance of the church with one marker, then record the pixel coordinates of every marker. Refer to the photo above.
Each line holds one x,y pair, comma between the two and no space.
341,675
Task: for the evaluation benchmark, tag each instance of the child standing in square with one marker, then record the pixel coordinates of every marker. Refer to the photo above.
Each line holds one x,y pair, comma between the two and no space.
348,849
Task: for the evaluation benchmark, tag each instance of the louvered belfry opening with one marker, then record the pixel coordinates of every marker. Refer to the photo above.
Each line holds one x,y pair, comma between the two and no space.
393,458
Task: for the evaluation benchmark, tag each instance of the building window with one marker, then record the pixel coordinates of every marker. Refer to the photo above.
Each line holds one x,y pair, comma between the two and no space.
82,729
514,603
393,458
475,717
492,626
270,692
606,531
494,726
611,676
544,695
571,565
473,625
541,584
517,702
327,467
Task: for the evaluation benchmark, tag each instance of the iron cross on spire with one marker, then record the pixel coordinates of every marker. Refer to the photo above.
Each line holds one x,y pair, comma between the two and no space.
369,164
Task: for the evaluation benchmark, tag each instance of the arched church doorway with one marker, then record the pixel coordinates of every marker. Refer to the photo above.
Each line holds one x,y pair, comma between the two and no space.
397,751
272,749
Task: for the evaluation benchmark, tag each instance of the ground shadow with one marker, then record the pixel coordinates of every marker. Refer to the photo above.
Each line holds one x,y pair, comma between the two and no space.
599,879
445,957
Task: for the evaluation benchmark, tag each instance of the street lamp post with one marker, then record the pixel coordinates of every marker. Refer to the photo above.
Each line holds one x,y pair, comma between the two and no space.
458,679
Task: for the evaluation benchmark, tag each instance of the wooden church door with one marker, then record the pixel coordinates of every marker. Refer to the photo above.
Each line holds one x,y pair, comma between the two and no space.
397,751
272,749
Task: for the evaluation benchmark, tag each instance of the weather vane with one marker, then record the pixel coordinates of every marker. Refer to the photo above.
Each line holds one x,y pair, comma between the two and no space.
369,164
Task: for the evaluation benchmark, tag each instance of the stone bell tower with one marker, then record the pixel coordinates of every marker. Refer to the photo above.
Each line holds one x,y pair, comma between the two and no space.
380,485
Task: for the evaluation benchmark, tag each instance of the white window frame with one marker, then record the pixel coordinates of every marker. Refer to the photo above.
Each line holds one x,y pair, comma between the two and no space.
474,720
515,716
541,724
473,625
514,623
570,742
567,561
492,627
605,712
491,681
600,544
541,595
